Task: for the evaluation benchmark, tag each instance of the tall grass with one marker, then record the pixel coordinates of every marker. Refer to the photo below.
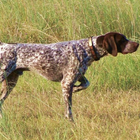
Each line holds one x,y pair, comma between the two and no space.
53,20
109,108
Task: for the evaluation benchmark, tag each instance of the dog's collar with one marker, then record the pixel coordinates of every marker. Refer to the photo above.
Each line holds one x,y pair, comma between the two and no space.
93,49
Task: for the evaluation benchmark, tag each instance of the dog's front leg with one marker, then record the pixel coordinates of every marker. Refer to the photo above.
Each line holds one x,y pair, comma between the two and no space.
67,94
84,84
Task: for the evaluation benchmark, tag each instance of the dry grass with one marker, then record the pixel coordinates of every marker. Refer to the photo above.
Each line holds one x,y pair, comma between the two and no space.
101,115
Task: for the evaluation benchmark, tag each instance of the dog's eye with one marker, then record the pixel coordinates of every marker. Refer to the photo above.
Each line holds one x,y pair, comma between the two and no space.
123,40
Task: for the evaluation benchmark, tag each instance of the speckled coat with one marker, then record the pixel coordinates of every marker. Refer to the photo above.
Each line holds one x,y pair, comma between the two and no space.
66,62
52,61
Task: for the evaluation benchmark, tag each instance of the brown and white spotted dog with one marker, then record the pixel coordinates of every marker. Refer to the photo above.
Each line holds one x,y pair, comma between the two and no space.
66,62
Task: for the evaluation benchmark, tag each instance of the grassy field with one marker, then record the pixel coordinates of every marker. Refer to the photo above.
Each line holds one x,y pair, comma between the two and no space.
110,108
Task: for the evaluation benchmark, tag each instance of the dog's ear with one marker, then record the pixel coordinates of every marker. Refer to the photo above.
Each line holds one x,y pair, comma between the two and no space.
109,44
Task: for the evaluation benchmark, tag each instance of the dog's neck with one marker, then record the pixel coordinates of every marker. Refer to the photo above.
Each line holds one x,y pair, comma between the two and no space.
99,51
93,49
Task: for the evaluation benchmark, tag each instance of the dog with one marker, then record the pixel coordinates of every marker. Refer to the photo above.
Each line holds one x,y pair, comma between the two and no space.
65,62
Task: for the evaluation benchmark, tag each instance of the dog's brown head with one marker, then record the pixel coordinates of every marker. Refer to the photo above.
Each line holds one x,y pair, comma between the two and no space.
114,42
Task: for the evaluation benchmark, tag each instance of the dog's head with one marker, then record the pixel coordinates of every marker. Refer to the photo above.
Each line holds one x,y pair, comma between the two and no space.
114,42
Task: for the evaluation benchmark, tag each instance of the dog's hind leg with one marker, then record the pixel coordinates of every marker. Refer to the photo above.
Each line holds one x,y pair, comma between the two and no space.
7,85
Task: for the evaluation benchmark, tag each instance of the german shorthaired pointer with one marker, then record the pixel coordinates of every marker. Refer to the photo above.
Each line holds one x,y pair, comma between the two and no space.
65,61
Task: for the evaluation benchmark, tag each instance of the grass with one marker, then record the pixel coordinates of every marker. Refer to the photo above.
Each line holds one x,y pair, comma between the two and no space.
109,108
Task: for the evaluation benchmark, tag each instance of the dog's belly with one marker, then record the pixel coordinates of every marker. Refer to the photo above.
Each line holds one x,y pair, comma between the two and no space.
51,71
51,74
